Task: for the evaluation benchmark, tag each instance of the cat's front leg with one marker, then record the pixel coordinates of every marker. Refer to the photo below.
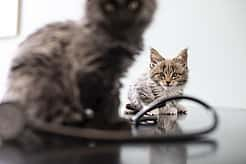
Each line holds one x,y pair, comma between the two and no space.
103,100
111,109
172,109
168,109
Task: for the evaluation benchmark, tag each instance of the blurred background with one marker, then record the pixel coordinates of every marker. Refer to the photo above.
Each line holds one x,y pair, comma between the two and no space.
213,30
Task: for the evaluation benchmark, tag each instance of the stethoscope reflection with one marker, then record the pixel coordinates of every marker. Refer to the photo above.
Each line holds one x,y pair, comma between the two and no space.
168,153
177,152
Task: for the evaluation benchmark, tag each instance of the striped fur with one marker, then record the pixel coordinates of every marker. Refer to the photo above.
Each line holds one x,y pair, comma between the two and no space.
167,77
67,67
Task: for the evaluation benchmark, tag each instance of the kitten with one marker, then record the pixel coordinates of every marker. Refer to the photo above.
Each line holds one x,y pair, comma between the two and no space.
67,67
166,77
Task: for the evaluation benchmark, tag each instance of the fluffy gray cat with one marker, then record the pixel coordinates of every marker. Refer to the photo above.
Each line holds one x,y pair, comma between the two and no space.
166,77
65,68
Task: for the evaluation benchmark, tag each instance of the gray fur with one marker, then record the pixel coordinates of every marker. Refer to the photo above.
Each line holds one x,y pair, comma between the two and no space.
67,67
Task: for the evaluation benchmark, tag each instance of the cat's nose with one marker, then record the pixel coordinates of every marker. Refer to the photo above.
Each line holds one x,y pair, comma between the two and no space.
133,5
168,83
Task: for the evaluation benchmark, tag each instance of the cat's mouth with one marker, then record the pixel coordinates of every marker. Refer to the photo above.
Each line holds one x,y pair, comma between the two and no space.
167,86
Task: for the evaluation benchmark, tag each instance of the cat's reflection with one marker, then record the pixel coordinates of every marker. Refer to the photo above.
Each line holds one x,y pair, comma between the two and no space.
168,125
76,154
168,153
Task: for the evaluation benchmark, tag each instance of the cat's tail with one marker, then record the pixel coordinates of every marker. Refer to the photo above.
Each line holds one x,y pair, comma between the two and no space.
12,120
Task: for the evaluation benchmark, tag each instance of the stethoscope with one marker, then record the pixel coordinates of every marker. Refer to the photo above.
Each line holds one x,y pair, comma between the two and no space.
82,134
160,102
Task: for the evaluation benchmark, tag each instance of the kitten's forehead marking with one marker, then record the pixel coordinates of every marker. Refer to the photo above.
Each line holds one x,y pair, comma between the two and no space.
166,66
169,67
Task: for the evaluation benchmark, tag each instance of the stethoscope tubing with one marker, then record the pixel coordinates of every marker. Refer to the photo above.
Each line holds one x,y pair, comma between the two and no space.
160,102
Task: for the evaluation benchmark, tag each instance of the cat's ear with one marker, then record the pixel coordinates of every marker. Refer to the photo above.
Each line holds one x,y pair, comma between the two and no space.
155,57
182,57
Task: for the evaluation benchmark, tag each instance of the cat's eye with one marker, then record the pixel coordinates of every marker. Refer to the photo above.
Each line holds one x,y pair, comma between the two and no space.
175,75
133,5
109,7
162,75
156,75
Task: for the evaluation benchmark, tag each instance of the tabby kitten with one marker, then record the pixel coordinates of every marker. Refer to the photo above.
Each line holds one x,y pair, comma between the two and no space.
66,68
166,77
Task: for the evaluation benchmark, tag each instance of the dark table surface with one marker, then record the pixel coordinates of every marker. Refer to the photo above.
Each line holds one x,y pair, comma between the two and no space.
226,145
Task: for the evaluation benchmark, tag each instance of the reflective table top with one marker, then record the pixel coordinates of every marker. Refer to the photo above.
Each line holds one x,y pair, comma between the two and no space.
225,145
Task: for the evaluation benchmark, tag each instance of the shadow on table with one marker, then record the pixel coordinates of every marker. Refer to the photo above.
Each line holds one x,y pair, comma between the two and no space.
92,152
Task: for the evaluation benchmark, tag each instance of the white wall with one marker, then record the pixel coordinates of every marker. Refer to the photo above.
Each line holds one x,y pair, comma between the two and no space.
214,31
9,25
34,14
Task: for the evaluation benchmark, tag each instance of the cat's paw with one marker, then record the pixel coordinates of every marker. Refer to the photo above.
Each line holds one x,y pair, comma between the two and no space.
130,112
66,116
119,124
168,111
131,109
181,109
